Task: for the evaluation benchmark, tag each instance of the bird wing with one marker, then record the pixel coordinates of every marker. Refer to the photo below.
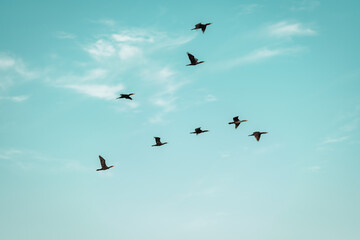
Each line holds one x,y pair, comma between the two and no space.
197,129
236,125
192,58
102,162
236,119
157,140
198,25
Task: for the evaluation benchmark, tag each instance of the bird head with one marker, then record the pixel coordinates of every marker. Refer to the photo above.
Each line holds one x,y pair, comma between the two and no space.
132,94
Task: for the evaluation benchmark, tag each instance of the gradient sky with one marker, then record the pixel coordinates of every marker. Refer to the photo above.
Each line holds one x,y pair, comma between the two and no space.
291,68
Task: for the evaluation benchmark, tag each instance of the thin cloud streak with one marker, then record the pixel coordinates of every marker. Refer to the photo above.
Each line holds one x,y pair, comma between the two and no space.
260,55
98,91
286,29
335,140
64,35
16,98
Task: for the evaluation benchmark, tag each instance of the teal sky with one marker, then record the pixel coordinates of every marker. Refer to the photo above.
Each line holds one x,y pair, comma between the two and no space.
291,68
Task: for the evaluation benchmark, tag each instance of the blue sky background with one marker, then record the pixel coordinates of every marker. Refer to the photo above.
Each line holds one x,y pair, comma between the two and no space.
289,67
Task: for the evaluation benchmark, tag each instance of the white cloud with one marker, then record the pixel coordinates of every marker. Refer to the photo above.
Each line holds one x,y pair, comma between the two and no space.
335,140
132,38
101,48
107,22
91,75
286,29
98,91
305,5
247,8
16,98
127,52
167,104
210,98
64,35
261,54
13,70
128,105
6,62
157,118
314,168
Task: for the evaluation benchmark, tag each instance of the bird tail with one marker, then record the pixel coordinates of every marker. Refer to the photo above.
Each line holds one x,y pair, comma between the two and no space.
231,122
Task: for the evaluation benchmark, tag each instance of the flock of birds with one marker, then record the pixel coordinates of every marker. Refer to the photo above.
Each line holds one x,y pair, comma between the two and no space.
193,61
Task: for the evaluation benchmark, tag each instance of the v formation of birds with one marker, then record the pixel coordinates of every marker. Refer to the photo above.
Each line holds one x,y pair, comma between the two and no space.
193,61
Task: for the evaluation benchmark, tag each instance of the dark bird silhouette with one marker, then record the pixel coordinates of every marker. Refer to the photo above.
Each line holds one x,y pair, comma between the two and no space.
193,61
158,142
201,26
127,96
257,135
198,131
237,121
103,164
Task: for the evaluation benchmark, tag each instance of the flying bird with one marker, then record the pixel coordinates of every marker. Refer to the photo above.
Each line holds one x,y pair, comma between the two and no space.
158,142
257,135
198,131
237,121
201,26
194,61
127,96
103,164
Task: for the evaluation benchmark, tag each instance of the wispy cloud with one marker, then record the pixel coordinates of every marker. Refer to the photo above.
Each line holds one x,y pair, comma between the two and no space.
98,91
64,35
16,98
28,160
210,98
167,83
260,55
286,29
101,48
305,5
6,62
335,140
107,22
135,37
314,168
244,9
13,69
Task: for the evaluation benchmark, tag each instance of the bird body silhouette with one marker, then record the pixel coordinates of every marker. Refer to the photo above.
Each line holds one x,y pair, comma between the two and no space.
201,26
193,61
103,164
158,142
198,131
126,96
257,135
237,122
